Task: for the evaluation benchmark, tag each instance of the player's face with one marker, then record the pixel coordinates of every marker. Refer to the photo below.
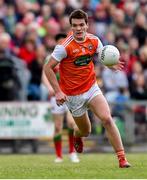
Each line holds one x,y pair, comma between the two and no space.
79,28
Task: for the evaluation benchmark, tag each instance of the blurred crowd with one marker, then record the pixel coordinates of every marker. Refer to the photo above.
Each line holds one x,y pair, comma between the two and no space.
27,35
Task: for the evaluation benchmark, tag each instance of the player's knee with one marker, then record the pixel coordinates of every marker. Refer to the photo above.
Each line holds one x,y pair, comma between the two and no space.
86,133
107,120
58,130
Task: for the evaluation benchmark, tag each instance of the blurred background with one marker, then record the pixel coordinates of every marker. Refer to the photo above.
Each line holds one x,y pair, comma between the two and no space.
27,35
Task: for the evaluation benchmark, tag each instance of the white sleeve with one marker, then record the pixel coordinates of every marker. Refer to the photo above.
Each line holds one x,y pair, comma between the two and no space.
100,46
59,53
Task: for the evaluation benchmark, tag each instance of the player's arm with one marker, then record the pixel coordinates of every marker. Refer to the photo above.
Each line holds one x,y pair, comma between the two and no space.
50,75
47,84
48,69
58,54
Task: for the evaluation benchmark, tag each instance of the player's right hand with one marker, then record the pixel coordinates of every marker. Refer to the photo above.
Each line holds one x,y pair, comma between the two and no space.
60,98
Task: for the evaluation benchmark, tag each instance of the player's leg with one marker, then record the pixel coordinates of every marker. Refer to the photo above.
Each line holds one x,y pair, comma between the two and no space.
71,125
83,130
78,107
58,120
58,115
101,109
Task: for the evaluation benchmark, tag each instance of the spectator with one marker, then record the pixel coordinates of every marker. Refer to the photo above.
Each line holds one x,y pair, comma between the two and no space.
44,15
20,82
143,57
69,8
18,37
118,18
102,21
58,10
34,88
3,9
27,51
10,19
140,29
28,18
130,8
64,24
112,80
139,90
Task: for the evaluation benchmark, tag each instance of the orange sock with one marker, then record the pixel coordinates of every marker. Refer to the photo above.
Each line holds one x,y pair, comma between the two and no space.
120,154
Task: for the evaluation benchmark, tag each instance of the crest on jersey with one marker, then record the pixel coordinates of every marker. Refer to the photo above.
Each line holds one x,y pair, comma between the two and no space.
90,46
83,50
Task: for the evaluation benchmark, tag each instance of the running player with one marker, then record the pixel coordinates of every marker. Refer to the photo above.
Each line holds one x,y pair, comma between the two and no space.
77,86
59,112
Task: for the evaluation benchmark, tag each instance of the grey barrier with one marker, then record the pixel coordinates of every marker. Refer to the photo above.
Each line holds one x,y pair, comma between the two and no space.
128,114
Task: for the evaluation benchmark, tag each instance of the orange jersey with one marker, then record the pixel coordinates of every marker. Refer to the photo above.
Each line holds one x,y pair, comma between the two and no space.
76,63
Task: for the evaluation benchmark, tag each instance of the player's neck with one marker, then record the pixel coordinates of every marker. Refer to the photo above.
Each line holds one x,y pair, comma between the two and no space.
80,41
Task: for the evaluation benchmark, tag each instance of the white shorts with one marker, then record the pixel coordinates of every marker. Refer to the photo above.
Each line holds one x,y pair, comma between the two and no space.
55,109
78,104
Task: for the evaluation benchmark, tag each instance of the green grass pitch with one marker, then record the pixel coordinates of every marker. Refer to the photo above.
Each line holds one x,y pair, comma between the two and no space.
91,166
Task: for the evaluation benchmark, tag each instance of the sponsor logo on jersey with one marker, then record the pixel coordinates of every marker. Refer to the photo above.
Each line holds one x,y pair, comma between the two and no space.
83,60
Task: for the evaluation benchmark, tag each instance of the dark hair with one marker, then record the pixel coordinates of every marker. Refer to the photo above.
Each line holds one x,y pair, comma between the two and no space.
78,14
59,36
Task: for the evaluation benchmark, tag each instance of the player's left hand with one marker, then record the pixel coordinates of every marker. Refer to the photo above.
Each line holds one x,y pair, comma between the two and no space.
118,67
